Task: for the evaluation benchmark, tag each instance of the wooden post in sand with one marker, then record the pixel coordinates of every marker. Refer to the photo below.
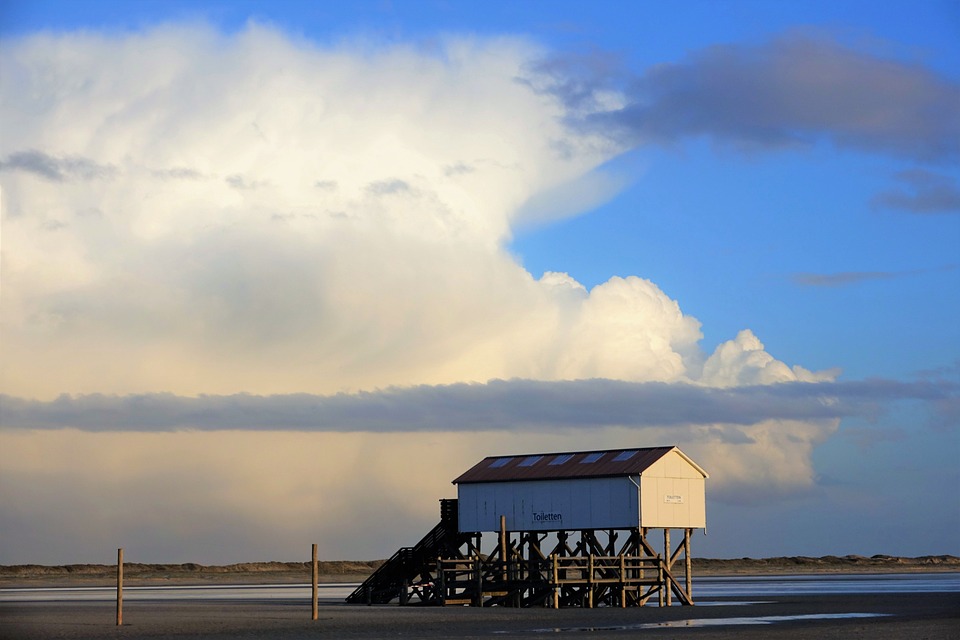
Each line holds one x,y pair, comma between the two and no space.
119,587
313,582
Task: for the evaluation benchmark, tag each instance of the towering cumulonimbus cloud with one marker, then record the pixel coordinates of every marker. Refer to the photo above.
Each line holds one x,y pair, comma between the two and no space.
257,214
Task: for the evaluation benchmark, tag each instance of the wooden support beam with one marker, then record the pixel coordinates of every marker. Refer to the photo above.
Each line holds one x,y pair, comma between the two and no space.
675,588
556,586
590,580
623,581
646,545
535,545
579,571
478,596
404,594
676,554
503,545
660,582
668,559
672,586
441,583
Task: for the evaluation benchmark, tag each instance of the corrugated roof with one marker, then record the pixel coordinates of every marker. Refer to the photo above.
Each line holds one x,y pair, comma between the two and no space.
567,464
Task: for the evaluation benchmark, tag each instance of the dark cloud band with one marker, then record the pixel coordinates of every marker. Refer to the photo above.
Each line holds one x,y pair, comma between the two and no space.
496,405
56,169
794,90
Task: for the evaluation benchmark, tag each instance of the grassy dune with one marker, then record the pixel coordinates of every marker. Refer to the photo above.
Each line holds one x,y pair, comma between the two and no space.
356,571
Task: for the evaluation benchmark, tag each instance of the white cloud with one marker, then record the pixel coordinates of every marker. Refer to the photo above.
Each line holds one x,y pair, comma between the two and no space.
584,193
280,218
216,264
744,361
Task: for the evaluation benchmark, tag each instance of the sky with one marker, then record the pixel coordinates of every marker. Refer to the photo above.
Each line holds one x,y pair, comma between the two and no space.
273,274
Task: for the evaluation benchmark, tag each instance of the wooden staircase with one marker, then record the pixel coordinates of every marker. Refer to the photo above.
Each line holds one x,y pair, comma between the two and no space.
409,573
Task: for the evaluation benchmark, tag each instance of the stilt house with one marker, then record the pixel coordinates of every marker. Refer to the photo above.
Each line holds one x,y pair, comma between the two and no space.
658,487
571,530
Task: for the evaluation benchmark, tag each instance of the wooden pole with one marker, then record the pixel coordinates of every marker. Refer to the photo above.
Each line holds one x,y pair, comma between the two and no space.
667,585
503,545
590,581
119,587
478,596
316,576
441,583
640,552
688,564
661,579
556,580
623,581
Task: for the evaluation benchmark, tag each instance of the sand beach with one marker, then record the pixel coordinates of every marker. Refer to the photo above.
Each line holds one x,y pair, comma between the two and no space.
935,616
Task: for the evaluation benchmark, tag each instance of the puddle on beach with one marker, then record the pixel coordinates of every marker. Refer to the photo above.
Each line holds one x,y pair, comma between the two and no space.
712,622
731,603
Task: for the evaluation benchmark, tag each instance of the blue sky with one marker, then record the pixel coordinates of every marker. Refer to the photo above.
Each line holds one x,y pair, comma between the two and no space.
392,200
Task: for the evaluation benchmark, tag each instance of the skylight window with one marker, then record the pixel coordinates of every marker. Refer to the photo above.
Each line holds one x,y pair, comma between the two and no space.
623,456
561,458
530,461
593,457
500,462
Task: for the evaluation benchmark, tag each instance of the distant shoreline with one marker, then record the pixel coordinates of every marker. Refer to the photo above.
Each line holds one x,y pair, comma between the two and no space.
32,575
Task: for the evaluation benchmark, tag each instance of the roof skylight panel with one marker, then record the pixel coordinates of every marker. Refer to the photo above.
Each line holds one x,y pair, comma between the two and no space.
593,457
500,462
623,456
530,461
561,458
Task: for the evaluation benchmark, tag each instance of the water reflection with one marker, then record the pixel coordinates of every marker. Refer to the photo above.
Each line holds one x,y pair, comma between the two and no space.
329,592
719,587
712,622
706,590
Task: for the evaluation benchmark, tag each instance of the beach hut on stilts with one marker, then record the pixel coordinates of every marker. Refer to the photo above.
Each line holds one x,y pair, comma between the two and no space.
569,529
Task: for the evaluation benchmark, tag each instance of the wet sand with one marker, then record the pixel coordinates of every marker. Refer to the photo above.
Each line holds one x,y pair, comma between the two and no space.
935,616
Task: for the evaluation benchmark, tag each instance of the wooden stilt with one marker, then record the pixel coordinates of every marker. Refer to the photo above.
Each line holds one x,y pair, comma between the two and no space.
661,579
503,545
590,581
668,559
642,539
577,570
556,580
478,568
623,581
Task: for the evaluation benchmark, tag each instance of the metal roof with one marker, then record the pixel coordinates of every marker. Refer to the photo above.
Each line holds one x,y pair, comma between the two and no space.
568,464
